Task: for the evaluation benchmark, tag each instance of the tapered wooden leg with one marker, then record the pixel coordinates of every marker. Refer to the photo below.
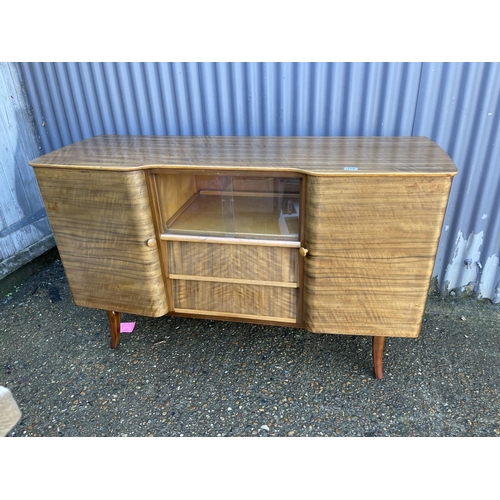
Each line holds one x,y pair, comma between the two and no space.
114,324
378,356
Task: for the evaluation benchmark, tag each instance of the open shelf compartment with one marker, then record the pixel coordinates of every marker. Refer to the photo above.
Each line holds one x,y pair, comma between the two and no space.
230,207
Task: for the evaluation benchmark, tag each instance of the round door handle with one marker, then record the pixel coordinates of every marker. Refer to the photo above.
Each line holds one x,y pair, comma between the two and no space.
303,251
151,242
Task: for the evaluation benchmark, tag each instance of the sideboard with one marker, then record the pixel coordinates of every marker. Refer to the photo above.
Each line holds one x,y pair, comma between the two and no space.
330,234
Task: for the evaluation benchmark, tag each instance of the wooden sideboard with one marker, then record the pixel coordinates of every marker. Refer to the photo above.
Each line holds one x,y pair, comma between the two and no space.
330,234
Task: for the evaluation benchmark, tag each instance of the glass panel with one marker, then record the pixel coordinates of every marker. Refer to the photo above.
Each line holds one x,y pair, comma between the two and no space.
227,204
239,206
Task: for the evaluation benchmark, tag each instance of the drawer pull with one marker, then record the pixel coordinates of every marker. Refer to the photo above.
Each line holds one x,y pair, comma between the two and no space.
303,251
151,242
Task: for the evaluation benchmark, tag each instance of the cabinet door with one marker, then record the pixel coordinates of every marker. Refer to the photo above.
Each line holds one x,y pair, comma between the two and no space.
104,231
372,242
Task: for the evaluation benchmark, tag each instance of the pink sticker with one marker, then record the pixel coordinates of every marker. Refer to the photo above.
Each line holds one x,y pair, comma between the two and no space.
127,327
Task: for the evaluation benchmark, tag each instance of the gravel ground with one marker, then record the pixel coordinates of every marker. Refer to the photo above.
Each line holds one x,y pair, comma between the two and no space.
190,377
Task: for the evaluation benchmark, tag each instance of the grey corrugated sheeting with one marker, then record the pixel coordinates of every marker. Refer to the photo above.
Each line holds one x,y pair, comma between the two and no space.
455,104
459,108
25,232
77,100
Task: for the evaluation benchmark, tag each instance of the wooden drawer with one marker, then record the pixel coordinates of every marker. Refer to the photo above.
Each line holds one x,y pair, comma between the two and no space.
261,302
240,262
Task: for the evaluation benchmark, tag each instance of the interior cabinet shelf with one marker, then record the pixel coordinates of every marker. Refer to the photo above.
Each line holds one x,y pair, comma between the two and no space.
246,215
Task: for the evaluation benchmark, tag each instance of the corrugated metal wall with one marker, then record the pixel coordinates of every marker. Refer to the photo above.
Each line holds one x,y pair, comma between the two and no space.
459,107
75,100
25,232
455,104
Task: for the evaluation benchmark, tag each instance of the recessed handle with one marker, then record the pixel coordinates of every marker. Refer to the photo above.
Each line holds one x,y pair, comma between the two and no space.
151,242
303,251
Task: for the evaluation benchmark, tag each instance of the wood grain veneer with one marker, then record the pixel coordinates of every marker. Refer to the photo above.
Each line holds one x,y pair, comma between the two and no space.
101,223
260,302
262,263
309,155
173,195
372,244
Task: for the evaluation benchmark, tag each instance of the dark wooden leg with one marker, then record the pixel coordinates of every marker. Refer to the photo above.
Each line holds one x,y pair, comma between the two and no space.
114,324
378,356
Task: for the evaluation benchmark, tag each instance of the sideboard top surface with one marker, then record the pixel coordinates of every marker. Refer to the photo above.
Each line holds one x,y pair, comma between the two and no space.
319,156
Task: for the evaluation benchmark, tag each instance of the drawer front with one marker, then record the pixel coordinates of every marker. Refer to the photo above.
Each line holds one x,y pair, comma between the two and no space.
272,303
259,263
